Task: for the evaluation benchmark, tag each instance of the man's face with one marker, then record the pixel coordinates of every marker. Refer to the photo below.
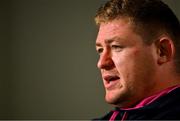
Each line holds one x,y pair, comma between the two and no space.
127,64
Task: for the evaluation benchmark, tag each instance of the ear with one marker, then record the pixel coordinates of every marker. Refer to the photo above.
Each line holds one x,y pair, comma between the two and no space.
165,50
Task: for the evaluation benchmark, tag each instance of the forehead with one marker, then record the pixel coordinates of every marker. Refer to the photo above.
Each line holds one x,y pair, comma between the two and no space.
117,28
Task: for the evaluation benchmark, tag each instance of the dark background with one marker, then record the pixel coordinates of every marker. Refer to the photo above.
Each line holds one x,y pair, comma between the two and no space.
48,59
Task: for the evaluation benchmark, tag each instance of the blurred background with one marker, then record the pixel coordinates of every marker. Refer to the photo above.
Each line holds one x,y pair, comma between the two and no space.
48,59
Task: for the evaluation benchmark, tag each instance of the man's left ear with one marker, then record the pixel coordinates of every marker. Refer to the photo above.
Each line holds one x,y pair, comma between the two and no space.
165,50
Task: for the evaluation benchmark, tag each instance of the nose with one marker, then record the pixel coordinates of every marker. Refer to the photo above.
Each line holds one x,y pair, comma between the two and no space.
105,61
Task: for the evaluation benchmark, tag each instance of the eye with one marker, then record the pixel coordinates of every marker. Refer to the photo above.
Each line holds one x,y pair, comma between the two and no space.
99,50
117,47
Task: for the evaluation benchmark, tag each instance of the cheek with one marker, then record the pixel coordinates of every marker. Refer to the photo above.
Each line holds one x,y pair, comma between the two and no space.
126,59
132,64
140,66
125,64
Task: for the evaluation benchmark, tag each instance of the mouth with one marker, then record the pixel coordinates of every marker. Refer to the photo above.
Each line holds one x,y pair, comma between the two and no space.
111,78
110,81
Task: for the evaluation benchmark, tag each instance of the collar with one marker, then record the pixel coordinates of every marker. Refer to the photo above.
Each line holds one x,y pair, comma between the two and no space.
153,98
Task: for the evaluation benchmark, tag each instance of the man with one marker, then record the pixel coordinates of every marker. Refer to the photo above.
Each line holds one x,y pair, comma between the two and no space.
139,58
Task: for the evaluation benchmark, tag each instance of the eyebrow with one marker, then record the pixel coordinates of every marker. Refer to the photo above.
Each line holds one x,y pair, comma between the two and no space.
109,41
98,45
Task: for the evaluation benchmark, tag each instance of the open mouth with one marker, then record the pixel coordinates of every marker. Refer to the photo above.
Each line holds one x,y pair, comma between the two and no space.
111,81
111,78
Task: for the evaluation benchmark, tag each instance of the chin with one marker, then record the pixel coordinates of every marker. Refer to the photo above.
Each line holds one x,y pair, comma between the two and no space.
117,99
112,99
117,102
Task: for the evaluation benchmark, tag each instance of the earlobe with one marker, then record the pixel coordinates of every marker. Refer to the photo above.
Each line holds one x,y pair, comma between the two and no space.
165,50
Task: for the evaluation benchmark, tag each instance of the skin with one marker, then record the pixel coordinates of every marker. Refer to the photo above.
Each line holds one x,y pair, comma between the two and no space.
129,67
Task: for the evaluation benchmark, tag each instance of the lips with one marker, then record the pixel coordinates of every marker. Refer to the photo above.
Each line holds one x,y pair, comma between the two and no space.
111,78
111,81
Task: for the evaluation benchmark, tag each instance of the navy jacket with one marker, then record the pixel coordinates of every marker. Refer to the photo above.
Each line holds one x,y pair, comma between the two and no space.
166,107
